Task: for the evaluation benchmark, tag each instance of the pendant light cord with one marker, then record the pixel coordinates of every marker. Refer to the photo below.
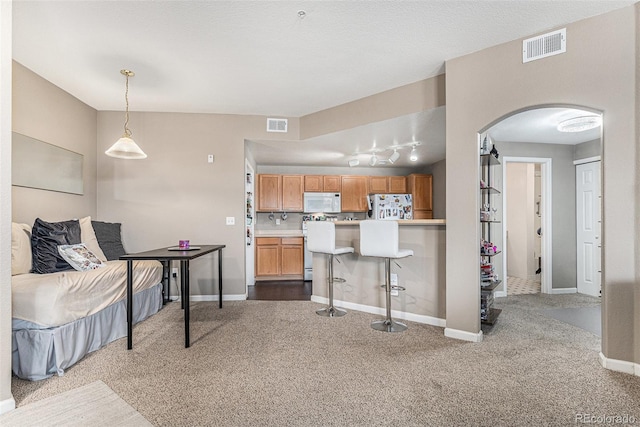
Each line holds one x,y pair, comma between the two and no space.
127,132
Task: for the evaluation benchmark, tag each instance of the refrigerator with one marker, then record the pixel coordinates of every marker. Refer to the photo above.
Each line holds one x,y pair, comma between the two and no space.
390,206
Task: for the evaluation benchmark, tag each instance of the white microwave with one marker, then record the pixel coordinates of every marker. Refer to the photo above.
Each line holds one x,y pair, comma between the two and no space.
322,202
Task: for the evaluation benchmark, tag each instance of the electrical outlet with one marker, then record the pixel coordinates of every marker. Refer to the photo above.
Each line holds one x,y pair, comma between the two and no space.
210,158
394,282
277,221
231,220
174,273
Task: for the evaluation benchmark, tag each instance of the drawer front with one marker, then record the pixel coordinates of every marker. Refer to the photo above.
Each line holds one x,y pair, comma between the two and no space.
292,240
267,241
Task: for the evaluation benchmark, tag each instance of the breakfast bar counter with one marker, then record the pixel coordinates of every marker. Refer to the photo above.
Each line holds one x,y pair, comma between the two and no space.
423,274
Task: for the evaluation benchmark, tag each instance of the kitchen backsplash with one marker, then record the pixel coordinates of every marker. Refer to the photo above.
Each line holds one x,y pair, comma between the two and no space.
293,220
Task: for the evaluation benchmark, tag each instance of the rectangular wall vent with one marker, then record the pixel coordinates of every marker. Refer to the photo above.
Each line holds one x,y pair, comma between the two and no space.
277,125
545,45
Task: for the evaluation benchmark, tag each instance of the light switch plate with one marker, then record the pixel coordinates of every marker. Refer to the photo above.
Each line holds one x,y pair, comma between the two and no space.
210,158
231,220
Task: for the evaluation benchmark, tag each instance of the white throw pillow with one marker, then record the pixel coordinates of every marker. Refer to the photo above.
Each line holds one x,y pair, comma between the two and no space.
20,248
88,236
79,257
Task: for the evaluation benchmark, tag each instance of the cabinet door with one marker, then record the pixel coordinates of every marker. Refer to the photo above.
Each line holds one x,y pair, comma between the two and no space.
269,192
420,186
292,256
378,184
397,184
331,183
313,183
292,190
267,256
354,193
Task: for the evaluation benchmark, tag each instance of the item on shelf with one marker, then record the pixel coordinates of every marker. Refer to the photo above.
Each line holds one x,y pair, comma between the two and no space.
488,248
494,151
485,216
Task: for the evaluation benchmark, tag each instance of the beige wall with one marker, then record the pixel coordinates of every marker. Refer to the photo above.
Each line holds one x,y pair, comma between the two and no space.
175,194
598,71
7,402
439,172
46,112
419,96
520,232
563,196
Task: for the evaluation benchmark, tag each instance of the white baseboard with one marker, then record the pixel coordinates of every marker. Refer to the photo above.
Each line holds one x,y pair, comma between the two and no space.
418,318
499,294
7,405
198,298
620,365
560,291
463,335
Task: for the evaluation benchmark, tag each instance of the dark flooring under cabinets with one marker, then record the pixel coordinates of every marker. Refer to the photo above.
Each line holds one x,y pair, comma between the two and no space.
280,290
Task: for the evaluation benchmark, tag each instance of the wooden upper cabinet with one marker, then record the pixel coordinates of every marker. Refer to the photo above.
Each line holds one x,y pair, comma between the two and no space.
313,183
331,183
378,185
292,190
269,192
420,186
354,193
397,184
322,183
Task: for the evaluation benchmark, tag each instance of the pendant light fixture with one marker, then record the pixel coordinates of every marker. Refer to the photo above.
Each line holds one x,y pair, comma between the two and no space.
125,147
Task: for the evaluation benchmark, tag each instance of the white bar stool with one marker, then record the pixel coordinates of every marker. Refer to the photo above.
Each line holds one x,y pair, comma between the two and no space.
321,238
380,239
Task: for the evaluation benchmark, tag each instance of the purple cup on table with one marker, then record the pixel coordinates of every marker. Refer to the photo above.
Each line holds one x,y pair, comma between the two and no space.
183,244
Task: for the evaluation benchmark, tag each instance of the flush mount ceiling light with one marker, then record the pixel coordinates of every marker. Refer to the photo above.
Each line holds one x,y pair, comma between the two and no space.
374,160
395,156
579,124
125,147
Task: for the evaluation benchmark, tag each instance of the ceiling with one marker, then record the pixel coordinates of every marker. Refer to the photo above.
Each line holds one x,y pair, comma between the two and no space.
264,58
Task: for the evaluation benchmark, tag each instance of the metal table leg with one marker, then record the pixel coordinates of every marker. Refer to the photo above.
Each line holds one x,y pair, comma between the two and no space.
129,304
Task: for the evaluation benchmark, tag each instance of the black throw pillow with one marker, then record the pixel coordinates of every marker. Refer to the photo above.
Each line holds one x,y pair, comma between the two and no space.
45,239
109,239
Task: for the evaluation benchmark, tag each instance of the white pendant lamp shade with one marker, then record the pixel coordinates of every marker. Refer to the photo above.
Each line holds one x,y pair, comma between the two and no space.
125,147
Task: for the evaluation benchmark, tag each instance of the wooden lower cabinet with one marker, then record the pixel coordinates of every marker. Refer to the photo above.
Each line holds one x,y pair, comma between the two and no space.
279,257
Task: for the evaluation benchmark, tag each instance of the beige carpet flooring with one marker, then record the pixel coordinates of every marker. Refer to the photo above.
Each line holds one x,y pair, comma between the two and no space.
267,363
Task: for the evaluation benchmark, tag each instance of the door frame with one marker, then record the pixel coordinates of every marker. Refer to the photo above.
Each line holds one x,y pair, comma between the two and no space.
546,222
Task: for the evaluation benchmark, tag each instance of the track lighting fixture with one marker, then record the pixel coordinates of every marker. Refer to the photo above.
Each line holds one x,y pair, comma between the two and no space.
414,154
395,156
374,160
354,162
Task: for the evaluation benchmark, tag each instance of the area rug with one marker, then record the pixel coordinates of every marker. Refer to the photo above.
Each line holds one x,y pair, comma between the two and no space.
94,404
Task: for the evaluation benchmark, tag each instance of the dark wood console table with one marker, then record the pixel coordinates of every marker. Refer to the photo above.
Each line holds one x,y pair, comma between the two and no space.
162,255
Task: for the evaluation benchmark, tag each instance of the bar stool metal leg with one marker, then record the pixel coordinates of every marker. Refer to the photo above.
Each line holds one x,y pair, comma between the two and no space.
388,325
331,311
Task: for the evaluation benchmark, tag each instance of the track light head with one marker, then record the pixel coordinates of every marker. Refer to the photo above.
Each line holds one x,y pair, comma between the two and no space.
374,160
395,156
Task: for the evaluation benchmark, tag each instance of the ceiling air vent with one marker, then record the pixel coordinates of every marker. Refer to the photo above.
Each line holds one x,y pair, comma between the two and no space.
545,45
276,125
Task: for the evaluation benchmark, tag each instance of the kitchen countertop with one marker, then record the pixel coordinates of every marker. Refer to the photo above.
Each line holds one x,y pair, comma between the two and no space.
278,233
402,222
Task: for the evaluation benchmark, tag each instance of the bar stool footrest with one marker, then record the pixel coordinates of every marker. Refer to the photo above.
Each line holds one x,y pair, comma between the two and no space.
337,280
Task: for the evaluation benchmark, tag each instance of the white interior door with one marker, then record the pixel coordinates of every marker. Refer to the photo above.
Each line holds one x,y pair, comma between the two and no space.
588,227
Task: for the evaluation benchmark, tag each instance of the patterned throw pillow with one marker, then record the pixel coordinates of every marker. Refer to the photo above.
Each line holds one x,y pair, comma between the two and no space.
79,257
